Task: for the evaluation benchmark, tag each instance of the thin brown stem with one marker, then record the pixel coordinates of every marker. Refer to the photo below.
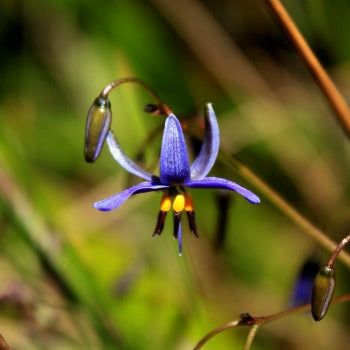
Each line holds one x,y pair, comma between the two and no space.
215,332
273,317
255,322
336,252
326,84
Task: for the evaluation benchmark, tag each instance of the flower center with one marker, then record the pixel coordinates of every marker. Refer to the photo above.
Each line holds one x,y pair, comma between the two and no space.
179,200
179,203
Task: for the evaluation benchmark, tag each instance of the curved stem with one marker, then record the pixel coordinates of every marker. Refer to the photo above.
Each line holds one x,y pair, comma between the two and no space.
105,92
255,322
215,332
326,84
273,317
339,248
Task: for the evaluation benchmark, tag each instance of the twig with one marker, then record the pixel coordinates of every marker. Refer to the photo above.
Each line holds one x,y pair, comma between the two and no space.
339,248
256,322
215,332
326,84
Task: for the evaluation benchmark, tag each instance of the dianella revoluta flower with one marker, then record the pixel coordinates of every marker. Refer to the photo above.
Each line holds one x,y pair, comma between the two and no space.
176,175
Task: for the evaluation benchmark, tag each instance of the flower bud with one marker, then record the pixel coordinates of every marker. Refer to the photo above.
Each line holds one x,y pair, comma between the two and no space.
322,292
97,127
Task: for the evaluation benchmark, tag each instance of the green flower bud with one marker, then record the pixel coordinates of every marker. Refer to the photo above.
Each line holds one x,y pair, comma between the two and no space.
97,127
322,292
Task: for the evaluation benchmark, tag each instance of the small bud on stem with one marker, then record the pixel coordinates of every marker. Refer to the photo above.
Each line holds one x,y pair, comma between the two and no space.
97,127
324,284
322,292
100,116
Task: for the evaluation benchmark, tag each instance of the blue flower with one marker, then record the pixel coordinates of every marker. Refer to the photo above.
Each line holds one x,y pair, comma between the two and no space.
176,175
304,282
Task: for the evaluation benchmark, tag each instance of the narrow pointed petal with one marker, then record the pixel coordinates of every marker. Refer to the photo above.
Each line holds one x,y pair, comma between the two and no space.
302,290
124,160
178,230
216,182
210,146
177,223
118,199
174,165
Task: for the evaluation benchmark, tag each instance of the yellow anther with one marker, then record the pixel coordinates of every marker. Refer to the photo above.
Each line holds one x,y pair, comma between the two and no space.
179,203
165,203
188,202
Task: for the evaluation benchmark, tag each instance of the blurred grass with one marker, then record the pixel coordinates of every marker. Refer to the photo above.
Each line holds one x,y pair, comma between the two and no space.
75,278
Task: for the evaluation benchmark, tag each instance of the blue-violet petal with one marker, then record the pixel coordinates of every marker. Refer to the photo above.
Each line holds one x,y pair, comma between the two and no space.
174,165
118,199
210,146
124,160
216,182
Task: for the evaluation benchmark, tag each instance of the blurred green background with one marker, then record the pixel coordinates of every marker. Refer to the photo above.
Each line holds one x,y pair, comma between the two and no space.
75,278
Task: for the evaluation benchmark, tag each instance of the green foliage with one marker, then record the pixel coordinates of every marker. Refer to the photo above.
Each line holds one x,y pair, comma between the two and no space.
75,278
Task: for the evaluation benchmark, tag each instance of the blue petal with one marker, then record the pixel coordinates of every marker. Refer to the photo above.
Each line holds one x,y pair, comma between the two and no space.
124,160
304,282
210,146
174,165
216,182
118,199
